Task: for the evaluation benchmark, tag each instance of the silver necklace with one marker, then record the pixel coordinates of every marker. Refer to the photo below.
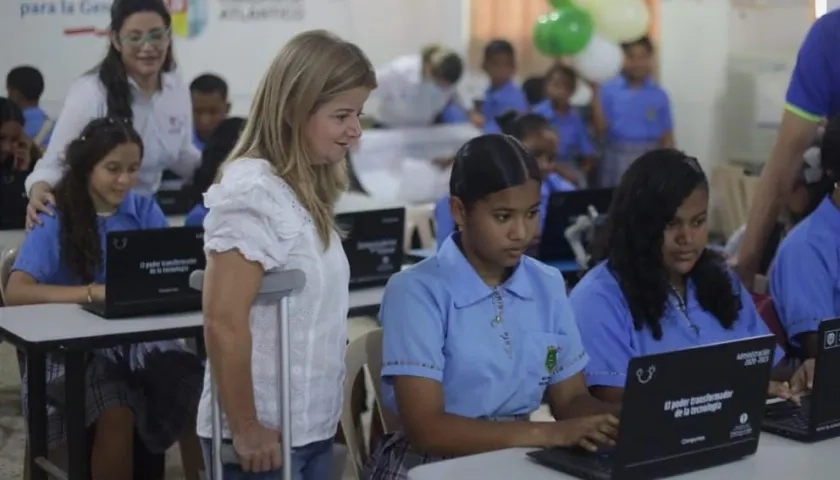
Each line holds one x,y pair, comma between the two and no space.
498,320
683,309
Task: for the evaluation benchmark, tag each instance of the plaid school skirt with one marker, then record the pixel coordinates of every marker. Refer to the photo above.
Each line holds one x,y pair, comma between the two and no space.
160,382
394,456
617,159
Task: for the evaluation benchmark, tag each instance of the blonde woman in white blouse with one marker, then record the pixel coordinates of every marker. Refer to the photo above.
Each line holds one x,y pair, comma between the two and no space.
273,209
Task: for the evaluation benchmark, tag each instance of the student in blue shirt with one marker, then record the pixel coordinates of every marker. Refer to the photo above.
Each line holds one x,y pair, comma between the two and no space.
633,114
149,391
577,153
537,137
219,145
805,275
656,287
503,94
25,85
209,96
474,336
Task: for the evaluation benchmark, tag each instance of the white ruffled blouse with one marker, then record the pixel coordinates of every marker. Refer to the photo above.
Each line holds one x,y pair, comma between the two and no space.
254,211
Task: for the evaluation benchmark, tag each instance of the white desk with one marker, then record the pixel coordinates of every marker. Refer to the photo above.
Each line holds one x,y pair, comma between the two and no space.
42,329
777,458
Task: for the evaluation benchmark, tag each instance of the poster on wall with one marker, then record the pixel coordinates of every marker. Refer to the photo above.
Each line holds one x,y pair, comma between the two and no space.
233,38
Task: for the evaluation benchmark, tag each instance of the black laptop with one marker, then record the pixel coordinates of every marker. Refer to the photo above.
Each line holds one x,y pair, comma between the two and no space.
817,417
174,196
373,245
563,210
13,200
147,272
682,411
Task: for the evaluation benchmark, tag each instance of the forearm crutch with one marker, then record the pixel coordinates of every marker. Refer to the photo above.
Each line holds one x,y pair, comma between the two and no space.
276,286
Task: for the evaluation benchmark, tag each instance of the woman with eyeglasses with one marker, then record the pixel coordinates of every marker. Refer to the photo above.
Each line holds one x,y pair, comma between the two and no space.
136,82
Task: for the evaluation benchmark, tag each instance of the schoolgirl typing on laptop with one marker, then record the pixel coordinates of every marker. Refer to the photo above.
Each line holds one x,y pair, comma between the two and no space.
805,275
475,335
657,288
61,261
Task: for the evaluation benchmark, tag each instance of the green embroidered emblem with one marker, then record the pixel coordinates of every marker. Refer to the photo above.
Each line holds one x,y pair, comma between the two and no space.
551,359
651,114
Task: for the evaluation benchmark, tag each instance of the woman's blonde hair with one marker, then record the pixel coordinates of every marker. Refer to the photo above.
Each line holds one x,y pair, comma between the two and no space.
310,70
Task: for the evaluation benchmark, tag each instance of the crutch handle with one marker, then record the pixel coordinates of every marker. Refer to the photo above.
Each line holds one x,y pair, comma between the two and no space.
229,456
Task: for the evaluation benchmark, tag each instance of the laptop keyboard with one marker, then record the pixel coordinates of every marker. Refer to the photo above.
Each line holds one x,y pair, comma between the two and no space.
598,461
790,414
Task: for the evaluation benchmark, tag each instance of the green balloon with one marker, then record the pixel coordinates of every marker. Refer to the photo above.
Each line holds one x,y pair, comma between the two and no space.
563,32
559,3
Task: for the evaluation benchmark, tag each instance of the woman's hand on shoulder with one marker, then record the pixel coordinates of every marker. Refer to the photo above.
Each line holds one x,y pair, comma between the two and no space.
589,433
41,200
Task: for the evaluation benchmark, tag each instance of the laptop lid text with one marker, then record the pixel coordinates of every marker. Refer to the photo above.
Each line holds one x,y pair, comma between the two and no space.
373,244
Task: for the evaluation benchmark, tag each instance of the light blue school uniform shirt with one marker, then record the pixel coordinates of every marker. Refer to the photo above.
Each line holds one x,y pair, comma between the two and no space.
445,225
635,114
611,340
805,275
40,254
575,141
454,113
499,101
34,119
437,321
195,217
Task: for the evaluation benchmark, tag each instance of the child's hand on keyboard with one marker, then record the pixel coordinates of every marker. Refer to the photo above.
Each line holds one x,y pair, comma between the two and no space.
779,390
587,432
803,380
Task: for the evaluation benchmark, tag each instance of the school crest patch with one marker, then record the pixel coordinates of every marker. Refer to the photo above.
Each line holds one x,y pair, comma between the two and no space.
551,360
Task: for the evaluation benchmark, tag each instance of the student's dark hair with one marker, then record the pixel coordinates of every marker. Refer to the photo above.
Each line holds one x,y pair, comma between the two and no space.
829,163
521,125
27,80
79,239
646,199
208,83
642,42
534,89
498,46
111,70
447,66
489,164
564,70
10,112
216,150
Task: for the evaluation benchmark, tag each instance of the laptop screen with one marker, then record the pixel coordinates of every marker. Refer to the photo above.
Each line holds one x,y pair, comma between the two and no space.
146,265
373,245
695,400
563,210
13,201
825,407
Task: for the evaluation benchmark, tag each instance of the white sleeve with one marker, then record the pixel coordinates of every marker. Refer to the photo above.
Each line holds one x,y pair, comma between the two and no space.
189,157
84,102
398,101
252,210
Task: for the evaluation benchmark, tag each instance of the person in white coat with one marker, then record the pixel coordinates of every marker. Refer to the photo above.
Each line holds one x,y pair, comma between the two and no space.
415,89
134,82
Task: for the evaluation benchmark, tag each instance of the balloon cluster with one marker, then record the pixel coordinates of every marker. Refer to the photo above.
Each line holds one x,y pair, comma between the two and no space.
591,31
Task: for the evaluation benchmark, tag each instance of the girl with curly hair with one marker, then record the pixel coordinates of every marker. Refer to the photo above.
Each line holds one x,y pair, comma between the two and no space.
656,287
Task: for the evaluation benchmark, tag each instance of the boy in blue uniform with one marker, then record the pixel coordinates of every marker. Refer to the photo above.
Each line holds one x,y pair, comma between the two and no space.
657,288
805,275
576,153
62,261
633,114
474,336
24,86
503,94
209,94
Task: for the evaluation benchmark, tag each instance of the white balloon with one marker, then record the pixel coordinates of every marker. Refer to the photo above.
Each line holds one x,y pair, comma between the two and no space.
621,21
600,60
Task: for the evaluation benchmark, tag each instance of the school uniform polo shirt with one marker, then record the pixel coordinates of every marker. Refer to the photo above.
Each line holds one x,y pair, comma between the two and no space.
814,89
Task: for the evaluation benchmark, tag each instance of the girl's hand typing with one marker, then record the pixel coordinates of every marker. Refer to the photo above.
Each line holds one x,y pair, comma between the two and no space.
586,432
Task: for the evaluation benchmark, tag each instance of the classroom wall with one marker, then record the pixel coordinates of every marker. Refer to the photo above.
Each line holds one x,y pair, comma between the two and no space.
239,47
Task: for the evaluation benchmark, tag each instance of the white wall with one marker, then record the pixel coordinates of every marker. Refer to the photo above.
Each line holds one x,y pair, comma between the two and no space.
238,50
